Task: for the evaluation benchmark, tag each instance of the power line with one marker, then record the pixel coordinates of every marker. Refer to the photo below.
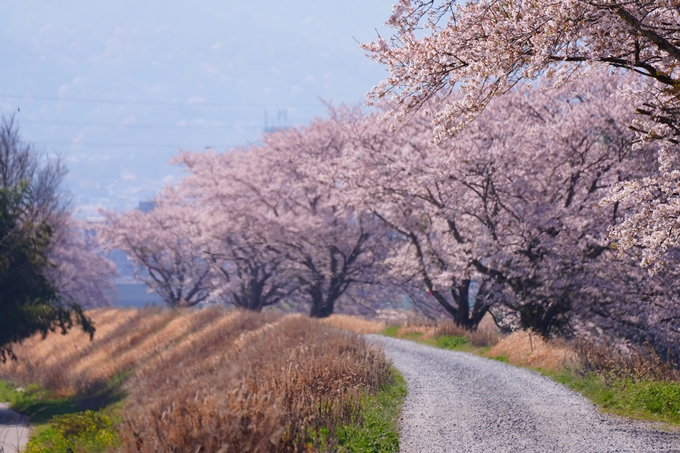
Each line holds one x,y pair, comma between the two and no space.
138,125
152,103
132,145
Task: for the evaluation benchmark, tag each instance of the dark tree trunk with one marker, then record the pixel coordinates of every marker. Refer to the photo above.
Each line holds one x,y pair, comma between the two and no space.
460,296
250,296
321,307
460,309
543,317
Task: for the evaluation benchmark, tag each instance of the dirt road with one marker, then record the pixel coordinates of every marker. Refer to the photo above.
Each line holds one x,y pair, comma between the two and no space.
463,403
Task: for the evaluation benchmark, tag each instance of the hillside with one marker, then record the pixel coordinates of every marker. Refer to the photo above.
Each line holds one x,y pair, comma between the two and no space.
201,380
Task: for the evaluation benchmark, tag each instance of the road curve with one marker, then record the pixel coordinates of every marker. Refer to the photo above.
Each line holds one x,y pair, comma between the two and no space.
14,430
459,402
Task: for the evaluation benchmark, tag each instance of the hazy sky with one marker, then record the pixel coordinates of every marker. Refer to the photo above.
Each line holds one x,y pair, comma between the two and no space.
118,86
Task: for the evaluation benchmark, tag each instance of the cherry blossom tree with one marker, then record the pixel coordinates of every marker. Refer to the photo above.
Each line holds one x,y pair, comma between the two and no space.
248,267
161,244
77,269
332,244
484,48
510,204
297,225
251,269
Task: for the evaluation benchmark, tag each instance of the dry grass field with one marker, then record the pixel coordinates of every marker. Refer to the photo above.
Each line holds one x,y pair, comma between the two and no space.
214,380
354,324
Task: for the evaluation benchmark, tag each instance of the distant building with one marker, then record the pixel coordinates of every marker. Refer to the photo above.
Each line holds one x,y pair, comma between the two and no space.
146,206
280,124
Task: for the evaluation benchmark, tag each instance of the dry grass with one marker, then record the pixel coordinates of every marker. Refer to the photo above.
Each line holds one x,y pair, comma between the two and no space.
626,361
354,324
520,348
71,364
259,384
215,380
611,361
529,349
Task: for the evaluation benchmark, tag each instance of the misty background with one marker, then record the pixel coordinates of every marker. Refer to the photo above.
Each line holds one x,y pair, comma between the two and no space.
117,88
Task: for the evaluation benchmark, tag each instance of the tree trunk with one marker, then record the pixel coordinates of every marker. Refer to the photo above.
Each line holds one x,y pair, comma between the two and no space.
460,309
542,317
321,307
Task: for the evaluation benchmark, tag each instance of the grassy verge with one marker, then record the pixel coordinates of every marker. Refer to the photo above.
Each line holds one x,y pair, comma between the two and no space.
640,399
41,405
617,390
451,342
376,428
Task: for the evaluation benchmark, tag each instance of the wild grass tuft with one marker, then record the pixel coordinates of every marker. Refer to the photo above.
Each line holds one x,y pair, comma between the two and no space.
526,348
258,384
626,361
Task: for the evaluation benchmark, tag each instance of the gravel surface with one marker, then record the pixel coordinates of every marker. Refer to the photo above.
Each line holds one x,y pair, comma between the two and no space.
14,430
459,402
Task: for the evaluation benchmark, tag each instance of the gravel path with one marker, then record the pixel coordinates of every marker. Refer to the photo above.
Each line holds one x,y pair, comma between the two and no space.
14,430
459,402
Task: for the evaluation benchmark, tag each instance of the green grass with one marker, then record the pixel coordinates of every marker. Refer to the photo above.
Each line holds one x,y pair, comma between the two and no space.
41,405
643,399
8,392
451,342
54,417
412,335
375,430
35,402
501,358
68,424
391,331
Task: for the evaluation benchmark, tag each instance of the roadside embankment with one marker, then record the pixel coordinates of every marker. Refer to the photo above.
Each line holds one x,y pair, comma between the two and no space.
206,380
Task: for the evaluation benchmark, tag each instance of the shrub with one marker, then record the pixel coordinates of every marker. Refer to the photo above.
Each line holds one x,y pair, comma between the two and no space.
87,431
